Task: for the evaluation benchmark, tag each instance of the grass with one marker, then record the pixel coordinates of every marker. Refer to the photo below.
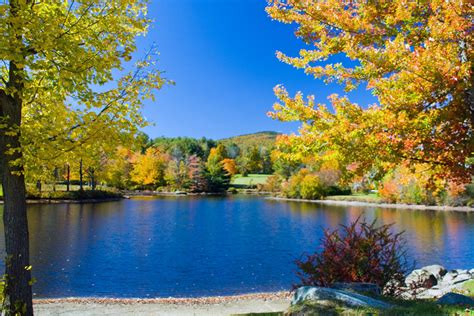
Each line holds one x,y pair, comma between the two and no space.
469,287
400,308
250,180
357,197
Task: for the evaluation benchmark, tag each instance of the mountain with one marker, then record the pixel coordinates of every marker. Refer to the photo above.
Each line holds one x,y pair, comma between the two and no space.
260,139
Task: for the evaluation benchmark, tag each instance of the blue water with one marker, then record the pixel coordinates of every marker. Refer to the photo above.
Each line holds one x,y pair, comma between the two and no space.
200,246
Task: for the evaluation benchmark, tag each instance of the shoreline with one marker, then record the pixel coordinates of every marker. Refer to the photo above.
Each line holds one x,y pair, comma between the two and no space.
204,300
213,305
69,201
465,209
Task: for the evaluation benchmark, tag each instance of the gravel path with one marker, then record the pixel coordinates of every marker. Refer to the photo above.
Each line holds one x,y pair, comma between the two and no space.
220,305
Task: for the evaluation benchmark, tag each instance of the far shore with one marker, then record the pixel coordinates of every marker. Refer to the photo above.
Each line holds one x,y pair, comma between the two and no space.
69,201
384,205
214,305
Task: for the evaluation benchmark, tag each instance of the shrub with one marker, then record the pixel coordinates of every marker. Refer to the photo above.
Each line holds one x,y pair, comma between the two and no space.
73,195
358,252
273,184
311,187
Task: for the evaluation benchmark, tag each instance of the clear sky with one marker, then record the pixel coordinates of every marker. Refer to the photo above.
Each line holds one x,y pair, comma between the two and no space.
221,54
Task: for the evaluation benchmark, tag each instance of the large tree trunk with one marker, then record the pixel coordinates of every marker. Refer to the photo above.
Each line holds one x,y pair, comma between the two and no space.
68,181
18,275
80,176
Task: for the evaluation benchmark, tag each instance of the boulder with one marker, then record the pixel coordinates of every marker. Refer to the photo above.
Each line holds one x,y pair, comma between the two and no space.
456,299
360,287
462,277
449,277
421,278
436,270
345,298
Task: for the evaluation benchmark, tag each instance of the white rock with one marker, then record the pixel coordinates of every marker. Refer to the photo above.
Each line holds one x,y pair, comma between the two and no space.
436,270
421,278
462,277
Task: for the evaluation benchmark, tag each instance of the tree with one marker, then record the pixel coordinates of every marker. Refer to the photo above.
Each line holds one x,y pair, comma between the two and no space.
254,160
415,56
230,166
196,172
149,169
217,177
177,174
56,94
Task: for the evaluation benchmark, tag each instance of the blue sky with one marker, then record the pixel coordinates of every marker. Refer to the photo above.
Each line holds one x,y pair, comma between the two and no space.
221,54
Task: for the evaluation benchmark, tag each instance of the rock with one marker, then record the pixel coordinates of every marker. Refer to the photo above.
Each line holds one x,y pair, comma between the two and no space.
436,270
421,278
456,299
460,271
430,293
461,278
359,287
449,277
471,271
346,298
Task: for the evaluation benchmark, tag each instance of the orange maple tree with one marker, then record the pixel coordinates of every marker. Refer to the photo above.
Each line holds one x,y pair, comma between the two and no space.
415,57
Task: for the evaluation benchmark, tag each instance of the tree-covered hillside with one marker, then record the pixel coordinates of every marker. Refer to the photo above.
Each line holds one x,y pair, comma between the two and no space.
261,139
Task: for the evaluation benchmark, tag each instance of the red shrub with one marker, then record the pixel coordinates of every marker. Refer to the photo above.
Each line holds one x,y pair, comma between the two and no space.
359,252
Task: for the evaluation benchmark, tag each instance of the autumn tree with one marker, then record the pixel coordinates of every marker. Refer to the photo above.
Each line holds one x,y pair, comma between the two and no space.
415,57
230,166
149,169
57,92
217,177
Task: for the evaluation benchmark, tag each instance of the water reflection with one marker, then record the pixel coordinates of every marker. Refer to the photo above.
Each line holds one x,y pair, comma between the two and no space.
189,246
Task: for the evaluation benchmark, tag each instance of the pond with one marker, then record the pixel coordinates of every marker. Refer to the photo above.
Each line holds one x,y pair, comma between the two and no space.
204,246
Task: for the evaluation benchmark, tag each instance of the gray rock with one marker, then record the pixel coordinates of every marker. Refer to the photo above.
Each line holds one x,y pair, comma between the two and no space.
449,277
471,271
360,287
456,299
421,278
460,271
436,270
430,293
462,277
343,297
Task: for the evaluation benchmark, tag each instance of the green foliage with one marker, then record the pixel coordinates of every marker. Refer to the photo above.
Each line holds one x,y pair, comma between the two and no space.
180,147
217,177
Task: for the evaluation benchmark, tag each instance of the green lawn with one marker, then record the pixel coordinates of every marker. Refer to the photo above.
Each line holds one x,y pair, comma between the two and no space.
251,179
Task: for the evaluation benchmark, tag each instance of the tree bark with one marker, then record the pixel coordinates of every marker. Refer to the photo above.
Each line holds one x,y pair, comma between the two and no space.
68,177
18,292
80,176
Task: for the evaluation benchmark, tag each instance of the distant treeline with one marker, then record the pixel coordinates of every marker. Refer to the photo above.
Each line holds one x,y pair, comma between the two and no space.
169,164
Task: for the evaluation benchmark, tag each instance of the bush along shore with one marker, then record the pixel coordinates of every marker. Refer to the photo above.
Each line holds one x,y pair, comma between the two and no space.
79,196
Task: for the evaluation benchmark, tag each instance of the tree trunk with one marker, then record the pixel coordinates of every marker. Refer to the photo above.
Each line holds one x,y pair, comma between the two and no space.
18,293
80,176
68,177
